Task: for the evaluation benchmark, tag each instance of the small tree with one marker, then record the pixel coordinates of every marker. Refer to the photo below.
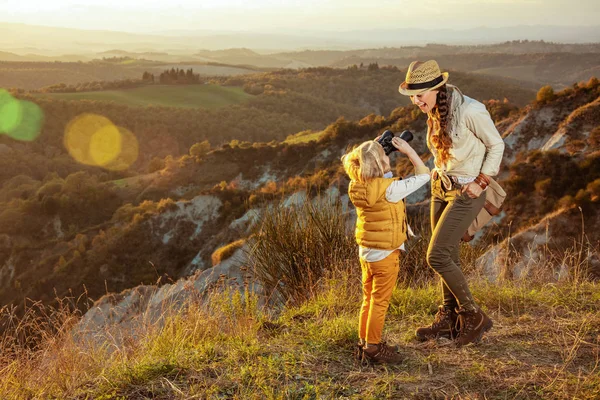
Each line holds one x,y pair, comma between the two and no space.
545,94
594,137
594,189
200,149
373,67
156,164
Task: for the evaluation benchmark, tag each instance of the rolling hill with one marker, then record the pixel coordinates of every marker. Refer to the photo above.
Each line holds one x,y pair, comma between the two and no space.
185,96
155,261
36,75
190,206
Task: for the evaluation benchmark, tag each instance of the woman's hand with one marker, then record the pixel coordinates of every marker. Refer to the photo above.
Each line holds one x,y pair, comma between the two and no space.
472,189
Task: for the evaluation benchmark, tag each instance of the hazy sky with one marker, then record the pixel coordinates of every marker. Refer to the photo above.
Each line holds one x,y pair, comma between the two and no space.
269,15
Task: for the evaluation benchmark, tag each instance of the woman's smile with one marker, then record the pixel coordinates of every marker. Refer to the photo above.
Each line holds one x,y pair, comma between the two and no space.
425,101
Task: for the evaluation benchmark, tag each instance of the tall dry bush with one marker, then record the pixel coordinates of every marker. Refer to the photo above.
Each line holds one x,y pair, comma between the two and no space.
295,247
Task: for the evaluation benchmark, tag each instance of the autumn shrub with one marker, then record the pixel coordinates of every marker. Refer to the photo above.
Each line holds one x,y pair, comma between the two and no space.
545,95
500,110
225,252
294,248
594,137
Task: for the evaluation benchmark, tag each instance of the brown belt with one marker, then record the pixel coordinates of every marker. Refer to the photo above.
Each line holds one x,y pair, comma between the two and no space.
452,179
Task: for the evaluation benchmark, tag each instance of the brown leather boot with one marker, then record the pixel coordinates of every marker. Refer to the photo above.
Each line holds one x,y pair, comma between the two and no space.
444,325
472,326
383,354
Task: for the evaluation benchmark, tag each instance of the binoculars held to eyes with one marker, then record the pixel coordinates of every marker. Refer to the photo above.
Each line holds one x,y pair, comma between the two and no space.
386,140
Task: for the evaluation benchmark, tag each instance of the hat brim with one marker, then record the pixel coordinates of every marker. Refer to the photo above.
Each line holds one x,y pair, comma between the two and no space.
407,92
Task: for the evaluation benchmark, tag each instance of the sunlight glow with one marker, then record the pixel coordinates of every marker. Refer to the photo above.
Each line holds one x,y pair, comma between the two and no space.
128,154
105,145
289,15
92,139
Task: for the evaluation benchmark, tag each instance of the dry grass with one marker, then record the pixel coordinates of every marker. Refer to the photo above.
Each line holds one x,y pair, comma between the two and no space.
545,343
297,246
224,252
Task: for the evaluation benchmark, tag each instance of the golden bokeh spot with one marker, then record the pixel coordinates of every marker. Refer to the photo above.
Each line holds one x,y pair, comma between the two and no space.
105,145
79,133
129,151
92,139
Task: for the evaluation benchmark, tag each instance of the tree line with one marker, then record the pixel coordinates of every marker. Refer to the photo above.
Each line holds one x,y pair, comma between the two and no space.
173,76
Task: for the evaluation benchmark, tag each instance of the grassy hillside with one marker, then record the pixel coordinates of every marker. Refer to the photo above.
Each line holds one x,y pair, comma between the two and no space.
235,341
544,345
85,234
186,96
282,103
21,73
108,209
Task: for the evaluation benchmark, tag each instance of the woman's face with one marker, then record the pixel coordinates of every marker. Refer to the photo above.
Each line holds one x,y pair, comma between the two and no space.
426,100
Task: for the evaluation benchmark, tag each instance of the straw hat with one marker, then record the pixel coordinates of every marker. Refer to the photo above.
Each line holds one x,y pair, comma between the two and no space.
421,77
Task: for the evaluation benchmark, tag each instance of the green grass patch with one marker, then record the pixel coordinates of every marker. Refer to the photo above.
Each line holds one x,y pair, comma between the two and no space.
303,137
520,72
183,96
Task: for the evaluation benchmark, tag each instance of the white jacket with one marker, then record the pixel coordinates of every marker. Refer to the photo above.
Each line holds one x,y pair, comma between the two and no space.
476,144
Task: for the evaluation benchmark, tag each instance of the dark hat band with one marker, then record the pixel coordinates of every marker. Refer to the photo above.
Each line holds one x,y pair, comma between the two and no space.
425,85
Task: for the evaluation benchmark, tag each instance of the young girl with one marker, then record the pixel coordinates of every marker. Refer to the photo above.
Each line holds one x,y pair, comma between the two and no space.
381,230
468,151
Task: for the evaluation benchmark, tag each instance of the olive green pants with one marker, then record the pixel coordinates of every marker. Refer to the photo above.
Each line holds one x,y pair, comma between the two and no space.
451,214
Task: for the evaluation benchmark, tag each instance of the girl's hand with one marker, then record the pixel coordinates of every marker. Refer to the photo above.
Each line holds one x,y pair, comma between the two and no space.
473,190
402,145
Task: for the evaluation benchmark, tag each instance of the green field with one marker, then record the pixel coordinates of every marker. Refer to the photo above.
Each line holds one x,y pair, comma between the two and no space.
522,72
303,137
188,96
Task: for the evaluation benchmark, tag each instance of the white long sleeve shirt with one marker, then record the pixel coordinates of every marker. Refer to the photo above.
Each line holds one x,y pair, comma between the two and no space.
397,191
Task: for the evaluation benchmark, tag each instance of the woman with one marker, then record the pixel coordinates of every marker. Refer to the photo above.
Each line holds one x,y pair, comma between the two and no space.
467,150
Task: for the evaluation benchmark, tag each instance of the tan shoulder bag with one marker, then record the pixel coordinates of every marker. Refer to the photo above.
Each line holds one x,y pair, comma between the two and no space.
494,197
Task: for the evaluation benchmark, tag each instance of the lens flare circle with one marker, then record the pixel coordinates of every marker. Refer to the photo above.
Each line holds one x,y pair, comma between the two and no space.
129,151
79,133
11,112
92,139
31,122
105,145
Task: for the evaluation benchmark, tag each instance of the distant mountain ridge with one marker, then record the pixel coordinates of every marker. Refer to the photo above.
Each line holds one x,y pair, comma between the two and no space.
534,63
79,40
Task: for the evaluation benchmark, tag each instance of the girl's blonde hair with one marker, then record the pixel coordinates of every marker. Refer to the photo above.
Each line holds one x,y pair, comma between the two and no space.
364,162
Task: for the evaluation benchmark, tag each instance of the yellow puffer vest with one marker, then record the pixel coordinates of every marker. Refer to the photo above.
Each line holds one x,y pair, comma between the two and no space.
380,223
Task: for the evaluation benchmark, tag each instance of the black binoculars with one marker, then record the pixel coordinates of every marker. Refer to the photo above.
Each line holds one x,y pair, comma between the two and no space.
386,140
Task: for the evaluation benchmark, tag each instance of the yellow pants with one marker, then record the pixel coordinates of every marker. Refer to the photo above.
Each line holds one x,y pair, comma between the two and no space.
378,279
